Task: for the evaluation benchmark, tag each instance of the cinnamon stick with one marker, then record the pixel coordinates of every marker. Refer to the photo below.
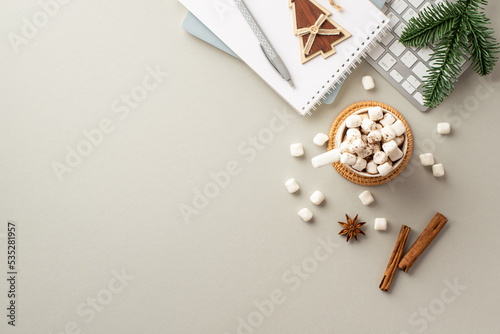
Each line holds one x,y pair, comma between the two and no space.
397,253
435,226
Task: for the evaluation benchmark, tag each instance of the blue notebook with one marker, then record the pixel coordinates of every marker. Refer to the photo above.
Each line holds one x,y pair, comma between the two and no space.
196,28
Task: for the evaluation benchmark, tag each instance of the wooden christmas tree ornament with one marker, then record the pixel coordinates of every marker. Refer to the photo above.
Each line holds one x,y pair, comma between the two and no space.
318,34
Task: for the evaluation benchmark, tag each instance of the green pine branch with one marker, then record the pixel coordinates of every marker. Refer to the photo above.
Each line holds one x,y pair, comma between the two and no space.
484,47
459,31
447,58
431,25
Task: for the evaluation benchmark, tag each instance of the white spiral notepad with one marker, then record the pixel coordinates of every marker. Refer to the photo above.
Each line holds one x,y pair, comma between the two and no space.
365,22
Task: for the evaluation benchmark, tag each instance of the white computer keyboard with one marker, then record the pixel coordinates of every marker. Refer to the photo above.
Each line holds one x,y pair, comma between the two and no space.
405,68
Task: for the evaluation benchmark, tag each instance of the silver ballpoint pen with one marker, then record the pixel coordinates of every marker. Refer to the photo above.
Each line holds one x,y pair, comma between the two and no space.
271,55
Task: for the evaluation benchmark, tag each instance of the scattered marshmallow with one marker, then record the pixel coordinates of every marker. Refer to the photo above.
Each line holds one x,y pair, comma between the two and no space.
326,158
371,167
380,224
353,134
360,164
368,125
368,82
348,159
297,150
317,197
444,128
374,137
388,133
320,139
438,170
399,140
353,121
358,145
385,169
380,158
387,120
399,127
292,186
306,214
366,197
375,113
426,159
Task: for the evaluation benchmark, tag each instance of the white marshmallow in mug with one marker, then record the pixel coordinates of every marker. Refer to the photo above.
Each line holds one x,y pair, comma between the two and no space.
367,151
371,168
353,121
385,169
353,134
368,125
374,137
374,147
380,158
399,140
387,120
320,139
360,164
388,133
357,145
348,159
375,113
398,127
392,150
345,147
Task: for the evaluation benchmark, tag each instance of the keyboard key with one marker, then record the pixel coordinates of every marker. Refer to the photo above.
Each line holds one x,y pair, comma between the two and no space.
420,70
399,5
387,62
427,4
409,88
376,51
410,13
399,29
418,96
414,81
409,59
397,48
393,19
425,53
396,76
415,3
387,39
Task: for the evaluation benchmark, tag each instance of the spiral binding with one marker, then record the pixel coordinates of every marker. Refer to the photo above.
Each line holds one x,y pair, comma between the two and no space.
348,66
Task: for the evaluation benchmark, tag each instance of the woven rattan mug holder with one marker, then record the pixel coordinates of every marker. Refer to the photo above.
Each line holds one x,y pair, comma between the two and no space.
348,173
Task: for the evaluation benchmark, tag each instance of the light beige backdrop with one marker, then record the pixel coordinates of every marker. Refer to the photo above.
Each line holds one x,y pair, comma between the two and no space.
154,116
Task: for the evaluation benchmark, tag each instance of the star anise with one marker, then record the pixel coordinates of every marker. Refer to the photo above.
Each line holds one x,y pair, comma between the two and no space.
352,228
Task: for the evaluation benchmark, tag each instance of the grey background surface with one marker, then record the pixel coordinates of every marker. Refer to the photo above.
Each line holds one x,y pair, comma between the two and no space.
118,210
